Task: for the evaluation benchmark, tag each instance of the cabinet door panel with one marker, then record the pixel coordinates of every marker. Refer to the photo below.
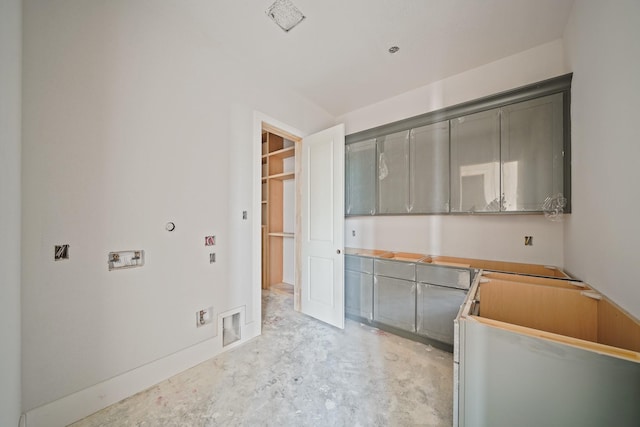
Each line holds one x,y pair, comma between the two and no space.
531,150
429,168
475,162
394,302
361,178
437,307
393,173
359,294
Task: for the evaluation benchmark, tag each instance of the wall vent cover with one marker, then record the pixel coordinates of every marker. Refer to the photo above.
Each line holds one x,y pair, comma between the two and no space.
285,14
231,329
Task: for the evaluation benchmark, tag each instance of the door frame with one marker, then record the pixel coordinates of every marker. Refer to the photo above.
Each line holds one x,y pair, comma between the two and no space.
283,129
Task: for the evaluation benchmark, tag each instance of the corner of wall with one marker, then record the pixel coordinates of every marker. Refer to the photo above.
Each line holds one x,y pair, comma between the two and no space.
598,41
11,200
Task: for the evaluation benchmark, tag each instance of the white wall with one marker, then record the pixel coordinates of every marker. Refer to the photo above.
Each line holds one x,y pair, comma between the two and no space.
10,113
489,237
601,43
133,118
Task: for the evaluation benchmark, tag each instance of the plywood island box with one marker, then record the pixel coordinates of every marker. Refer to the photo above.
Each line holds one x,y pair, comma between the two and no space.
532,351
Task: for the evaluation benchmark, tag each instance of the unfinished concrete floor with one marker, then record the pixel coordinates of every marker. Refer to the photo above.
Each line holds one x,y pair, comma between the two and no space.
300,372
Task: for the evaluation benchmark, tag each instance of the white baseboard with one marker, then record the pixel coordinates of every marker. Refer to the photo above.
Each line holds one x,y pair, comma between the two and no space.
83,403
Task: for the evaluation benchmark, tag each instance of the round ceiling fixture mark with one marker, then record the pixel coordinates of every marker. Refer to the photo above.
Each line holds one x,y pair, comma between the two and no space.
394,49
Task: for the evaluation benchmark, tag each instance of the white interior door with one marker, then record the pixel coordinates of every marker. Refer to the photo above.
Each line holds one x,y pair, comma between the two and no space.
322,226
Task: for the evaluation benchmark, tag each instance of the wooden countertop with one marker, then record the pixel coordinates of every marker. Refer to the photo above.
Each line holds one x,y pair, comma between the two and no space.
503,266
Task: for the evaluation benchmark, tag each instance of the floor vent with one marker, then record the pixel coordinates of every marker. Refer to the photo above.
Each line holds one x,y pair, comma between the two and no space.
231,329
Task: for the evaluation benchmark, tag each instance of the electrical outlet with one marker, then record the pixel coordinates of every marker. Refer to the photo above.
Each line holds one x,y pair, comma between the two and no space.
244,214
353,233
212,258
528,240
204,316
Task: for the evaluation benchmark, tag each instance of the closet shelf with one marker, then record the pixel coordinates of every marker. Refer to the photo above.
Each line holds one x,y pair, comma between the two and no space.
284,153
283,176
281,235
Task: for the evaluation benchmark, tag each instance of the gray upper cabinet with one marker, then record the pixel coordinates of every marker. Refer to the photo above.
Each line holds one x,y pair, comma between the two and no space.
429,168
532,152
475,162
361,178
506,152
393,173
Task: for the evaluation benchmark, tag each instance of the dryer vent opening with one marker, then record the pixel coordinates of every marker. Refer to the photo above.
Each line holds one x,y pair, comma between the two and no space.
231,329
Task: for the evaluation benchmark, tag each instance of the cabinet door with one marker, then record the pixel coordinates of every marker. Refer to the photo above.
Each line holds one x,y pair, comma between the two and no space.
393,173
394,302
429,168
436,308
532,152
475,162
358,289
361,178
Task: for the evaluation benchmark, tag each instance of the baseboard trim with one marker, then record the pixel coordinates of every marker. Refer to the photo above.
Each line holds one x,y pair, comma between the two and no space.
76,406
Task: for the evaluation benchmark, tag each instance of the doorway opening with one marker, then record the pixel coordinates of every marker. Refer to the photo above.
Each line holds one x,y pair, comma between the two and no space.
314,233
279,215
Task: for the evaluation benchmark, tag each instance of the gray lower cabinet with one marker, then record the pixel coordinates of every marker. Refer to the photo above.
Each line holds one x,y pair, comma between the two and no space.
359,294
395,269
358,286
451,277
422,299
436,308
358,263
394,302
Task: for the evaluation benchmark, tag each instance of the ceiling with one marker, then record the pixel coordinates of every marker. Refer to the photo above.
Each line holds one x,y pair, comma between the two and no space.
338,56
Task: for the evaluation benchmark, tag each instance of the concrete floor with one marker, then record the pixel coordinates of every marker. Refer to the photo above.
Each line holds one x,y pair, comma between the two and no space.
300,372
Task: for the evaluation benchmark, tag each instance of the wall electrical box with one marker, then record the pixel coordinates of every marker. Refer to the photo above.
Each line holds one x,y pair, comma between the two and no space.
125,259
204,316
